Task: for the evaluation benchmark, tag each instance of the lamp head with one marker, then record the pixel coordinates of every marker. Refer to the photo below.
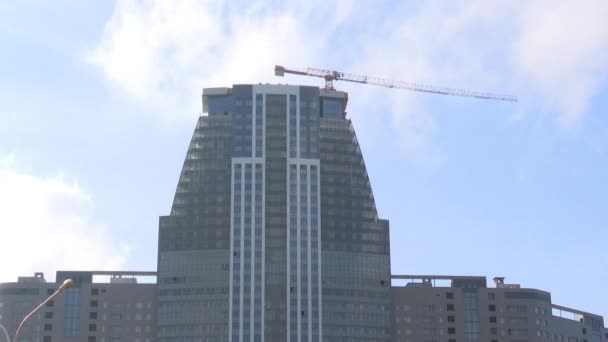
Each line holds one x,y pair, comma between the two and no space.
66,284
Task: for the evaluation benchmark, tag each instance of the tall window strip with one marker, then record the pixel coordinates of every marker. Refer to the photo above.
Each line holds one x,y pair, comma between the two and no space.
304,267
471,316
303,215
247,222
71,321
293,127
258,125
247,256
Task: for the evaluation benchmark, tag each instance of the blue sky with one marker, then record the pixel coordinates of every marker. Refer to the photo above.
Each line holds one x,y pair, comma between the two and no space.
99,101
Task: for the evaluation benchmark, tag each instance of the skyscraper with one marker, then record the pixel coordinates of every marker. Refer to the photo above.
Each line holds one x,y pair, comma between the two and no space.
273,234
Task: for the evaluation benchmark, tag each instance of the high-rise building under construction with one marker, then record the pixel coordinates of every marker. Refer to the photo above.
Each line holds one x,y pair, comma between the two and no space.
273,234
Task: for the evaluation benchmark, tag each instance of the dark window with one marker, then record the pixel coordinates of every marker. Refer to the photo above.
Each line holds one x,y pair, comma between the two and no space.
48,315
332,108
452,340
451,319
451,331
93,315
50,303
491,296
94,292
46,339
492,319
92,339
48,327
94,303
494,340
584,331
450,307
92,327
492,307
50,291
449,295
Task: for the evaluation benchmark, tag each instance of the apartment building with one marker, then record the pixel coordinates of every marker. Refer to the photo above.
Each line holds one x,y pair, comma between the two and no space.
119,310
430,308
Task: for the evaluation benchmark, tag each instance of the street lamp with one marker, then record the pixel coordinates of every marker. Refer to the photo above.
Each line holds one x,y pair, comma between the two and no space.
66,284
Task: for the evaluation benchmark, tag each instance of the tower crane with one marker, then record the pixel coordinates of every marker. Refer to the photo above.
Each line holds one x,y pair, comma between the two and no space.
331,76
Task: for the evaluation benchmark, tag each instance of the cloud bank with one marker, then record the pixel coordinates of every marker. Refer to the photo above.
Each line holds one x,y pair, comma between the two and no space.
553,54
48,225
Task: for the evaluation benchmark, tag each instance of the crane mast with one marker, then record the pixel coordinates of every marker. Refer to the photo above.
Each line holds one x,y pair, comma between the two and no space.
331,76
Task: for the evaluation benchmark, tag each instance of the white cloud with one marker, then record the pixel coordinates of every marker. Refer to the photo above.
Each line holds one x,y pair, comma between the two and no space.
563,51
47,225
164,52
551,53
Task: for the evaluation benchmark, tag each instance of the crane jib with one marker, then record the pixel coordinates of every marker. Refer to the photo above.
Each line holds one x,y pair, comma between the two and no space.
330,76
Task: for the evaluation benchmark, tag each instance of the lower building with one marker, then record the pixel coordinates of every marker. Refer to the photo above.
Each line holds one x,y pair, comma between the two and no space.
425,308
429,308
116,311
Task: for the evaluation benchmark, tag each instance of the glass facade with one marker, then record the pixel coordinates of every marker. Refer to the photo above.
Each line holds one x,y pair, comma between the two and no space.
71,319
273,225
355,242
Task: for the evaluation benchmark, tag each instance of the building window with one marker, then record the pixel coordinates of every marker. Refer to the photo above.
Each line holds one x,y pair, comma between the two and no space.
46,339
92,339
518,332
92,327
493,331
449,295
451,319
93,315
50,303
94,303
48,315
492,307
492,319
451,331
450,307
94,292
48,327
491,296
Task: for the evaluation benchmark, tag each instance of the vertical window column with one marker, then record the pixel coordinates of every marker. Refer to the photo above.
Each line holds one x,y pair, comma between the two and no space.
315,253
258,254
247,257
303,253
235,256
292,131
292,252
259,125
71,320
247,252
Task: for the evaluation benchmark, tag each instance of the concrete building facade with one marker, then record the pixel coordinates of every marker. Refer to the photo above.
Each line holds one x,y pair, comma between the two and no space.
457,308
247,241
120,310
